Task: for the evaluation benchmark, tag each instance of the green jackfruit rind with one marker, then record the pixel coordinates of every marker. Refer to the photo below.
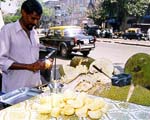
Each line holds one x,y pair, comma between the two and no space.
84,61
138,66
61,70
140,94
64,69
115,93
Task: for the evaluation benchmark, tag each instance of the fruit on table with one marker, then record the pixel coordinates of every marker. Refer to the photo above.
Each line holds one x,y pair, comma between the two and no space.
83,86
104,64
64,69
55,112
67,110
69,73
82,111
96,104
81,61
138,66
96,114
74,104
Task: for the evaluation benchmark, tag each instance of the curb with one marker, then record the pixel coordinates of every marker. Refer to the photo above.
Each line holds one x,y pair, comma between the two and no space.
133,44
146,44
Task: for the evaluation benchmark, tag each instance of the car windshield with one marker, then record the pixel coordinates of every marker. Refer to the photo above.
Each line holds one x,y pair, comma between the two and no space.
71,32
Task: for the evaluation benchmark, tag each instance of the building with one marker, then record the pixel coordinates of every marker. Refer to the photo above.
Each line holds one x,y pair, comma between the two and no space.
9,6
73,12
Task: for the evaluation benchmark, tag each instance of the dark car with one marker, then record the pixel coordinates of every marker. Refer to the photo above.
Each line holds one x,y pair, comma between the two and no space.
94,31
133,33
106,33
69,39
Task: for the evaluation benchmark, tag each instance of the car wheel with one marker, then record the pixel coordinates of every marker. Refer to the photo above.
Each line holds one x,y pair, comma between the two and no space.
85,53
63,51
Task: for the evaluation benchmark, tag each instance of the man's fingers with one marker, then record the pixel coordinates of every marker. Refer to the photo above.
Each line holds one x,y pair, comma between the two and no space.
48,64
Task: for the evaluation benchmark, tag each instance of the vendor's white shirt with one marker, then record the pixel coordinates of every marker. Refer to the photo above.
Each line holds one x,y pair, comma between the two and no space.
15,46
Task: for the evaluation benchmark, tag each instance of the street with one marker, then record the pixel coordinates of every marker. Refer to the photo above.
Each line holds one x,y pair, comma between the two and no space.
117,53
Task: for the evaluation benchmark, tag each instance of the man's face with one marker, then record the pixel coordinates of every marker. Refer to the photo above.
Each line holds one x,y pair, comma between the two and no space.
30,20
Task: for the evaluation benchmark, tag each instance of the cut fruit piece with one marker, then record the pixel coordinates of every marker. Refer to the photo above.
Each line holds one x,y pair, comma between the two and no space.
68,73
97,114
104,64
81,61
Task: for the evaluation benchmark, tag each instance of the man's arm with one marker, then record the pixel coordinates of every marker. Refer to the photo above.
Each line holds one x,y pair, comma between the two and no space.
38,65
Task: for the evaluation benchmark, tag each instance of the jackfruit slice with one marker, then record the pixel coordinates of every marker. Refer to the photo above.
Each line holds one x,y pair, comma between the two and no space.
104,64
56,112
96,104
82,112
67,110
81,61
68,73
96,114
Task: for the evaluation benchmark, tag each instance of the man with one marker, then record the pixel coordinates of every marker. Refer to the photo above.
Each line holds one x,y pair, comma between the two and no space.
148,34
19,50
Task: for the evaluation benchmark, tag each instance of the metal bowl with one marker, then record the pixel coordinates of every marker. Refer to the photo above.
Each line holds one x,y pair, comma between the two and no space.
55,87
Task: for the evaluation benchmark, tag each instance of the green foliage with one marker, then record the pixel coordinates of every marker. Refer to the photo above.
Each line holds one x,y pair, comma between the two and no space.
119,9
10,18
137,8
47,11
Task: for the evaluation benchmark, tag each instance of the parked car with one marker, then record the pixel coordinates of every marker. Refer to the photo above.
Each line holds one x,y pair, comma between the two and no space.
117,34
133,33
106,33
94,31
69,39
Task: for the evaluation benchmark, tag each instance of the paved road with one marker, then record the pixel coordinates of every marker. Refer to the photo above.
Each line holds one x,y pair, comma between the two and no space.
118,50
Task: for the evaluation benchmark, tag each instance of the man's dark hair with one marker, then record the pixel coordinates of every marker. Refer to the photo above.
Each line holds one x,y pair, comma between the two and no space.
30,6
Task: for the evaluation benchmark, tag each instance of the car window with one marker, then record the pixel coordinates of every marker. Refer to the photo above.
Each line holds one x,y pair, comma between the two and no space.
71,32
51,32
138,30
57,33
131,31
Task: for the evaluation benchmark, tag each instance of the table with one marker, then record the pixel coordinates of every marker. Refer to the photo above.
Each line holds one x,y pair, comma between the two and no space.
24,111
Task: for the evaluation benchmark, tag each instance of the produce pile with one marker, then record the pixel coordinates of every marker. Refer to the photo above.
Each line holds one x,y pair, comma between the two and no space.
87,79
81,76
70,105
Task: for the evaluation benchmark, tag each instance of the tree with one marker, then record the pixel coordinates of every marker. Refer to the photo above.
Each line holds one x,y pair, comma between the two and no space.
97,14
10,18
118,9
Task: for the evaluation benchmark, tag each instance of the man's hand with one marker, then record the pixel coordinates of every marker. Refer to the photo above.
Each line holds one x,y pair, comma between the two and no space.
48,63
42,65
38,65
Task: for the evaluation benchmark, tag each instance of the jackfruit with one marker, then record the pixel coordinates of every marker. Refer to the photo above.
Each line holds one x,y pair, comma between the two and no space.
138,66
81,61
